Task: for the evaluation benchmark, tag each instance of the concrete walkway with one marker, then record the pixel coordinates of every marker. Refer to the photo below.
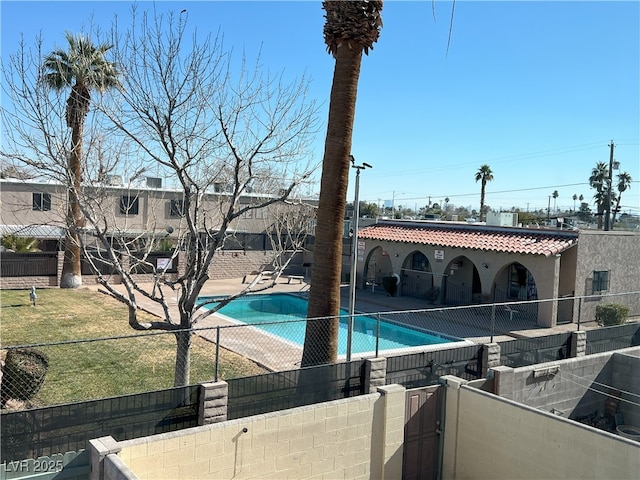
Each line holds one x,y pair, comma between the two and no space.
276,354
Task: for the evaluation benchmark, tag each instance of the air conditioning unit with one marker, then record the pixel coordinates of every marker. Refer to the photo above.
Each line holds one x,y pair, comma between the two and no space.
502,219
154,182
113,180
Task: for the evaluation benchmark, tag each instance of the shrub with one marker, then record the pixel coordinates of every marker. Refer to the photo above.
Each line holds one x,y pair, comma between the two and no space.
611,314
23,374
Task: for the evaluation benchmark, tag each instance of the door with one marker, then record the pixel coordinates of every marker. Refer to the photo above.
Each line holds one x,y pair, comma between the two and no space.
422,432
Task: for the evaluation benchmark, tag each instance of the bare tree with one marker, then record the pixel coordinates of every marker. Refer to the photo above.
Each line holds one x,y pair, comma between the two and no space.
215,130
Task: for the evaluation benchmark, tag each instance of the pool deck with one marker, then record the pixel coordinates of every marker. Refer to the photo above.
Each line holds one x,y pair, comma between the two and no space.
280,356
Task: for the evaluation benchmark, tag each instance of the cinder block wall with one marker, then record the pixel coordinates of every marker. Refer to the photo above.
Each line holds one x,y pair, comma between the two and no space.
236,264
355,438
19,283
626,377
566,392
499,439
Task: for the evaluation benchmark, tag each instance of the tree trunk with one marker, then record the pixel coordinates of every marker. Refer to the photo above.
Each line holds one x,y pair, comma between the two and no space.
482,200
183,359
71,270
321,338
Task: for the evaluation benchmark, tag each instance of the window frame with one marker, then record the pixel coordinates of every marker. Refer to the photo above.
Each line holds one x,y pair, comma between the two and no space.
176,208
41,202
129,205
600,281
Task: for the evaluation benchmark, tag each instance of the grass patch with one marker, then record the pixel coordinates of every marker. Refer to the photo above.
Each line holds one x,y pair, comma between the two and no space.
106,368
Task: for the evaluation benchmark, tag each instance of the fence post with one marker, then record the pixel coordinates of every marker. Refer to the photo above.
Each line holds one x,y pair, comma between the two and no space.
377,334
60,267
214,398
217,366
578,344
493,320
579,311
490,358
503,381
375,373
99,448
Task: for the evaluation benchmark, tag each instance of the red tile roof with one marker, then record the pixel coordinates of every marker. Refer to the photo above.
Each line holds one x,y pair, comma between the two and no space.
476,237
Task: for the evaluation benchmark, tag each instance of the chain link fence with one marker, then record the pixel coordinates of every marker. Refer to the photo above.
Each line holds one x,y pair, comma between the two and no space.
224,348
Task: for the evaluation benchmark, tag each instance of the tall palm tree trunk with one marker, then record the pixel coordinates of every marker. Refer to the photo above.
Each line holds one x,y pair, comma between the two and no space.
482,187
321,339
71,267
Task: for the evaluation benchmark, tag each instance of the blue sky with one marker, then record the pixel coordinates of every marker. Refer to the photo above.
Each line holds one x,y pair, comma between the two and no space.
536,90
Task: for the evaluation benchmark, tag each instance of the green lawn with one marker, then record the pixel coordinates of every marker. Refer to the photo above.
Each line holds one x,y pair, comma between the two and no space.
84,371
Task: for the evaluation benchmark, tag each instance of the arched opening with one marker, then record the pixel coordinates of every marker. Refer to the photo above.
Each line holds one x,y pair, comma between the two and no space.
461,283
417,279
515,282
377,266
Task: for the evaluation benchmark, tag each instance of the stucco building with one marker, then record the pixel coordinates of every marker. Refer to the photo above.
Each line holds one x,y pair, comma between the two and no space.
460,263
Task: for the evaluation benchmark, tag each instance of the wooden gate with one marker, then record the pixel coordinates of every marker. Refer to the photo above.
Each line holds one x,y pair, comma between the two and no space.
422,431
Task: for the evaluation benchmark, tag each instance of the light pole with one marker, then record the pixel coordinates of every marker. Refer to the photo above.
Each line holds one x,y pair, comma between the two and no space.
354,254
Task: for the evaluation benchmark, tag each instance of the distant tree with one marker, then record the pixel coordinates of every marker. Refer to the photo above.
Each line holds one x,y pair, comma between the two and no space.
530,218
585,214
624,183
483,175
555,195
351,29
575,197
599,180
83,67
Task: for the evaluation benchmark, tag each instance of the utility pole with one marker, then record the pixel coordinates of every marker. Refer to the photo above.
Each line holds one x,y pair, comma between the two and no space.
549,209
607,219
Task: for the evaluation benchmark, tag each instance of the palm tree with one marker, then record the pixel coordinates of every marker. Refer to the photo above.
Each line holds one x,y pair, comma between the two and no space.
484,174
598,180
82,68
555,195
350,29
575,197
20,244
624,182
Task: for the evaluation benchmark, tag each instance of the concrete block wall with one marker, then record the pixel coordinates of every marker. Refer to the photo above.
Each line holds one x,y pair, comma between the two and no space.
626,377
236,264
23,283
355,438
513,441
213,402
568,392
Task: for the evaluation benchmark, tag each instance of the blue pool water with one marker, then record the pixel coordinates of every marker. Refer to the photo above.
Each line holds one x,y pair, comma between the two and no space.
262,311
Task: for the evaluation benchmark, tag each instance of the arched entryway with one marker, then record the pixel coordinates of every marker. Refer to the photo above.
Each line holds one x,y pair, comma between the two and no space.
377,266
461,283
417,279
515,282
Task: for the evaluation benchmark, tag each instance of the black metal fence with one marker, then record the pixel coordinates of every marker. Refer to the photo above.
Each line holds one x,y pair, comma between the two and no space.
425,368
41,264
51,430
529,351
606,339
295,388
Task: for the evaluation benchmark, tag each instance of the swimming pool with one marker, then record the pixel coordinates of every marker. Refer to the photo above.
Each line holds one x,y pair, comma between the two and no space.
283,315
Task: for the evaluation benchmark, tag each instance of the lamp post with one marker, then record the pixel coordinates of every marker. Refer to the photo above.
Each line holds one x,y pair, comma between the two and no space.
354,254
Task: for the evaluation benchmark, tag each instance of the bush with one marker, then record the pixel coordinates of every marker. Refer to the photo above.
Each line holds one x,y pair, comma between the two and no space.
23,374
611,314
